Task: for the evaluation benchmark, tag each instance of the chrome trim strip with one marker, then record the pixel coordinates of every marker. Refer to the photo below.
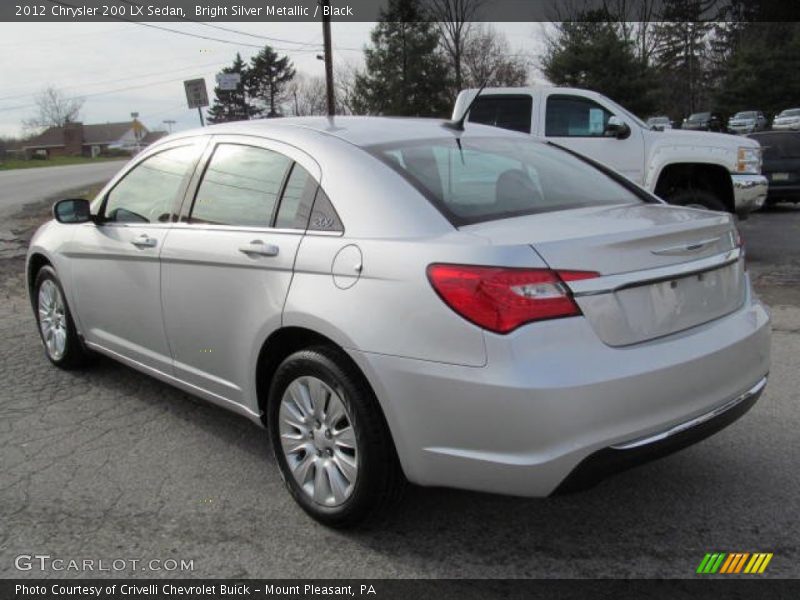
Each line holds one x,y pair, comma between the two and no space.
685,248
612,283
756,389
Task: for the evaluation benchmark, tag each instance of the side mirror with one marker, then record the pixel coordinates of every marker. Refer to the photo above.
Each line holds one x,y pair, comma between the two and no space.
617,128
73,210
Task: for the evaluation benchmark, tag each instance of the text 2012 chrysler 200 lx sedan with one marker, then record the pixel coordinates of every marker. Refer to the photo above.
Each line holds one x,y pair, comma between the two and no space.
397,299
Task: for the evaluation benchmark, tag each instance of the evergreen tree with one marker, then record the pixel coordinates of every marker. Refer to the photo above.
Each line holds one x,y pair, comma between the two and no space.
232,105
268,78
406,74
589,52
763,69
683,55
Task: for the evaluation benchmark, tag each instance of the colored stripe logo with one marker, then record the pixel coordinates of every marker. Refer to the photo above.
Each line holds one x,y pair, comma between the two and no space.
734,563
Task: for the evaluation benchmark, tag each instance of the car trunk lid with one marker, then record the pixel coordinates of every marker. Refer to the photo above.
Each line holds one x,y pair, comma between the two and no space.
662,269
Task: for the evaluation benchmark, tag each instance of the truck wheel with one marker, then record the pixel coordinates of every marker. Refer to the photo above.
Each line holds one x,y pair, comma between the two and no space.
697,199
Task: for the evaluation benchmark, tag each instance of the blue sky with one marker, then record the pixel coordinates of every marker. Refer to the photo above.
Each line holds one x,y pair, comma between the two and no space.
121,67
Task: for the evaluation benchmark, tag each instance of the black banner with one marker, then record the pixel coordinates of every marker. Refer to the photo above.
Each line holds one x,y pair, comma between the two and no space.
731,588
370,10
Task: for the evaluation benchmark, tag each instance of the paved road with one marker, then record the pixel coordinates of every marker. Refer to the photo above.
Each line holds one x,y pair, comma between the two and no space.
19,187
108,463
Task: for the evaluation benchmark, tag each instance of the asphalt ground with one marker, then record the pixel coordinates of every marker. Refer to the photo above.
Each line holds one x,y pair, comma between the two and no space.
110,464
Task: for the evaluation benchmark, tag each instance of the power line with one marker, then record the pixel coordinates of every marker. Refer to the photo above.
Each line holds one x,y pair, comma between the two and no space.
185,33
95,94
131,78
236,31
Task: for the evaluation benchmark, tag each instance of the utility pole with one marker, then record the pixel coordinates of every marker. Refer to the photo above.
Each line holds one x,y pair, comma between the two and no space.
169,123
326,38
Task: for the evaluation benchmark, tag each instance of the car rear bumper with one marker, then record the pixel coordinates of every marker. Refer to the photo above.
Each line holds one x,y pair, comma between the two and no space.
624,456
749,192
786,126
553,394
788,192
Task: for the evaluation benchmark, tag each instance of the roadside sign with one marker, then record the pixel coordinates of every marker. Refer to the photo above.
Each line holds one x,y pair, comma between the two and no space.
196,94
228,81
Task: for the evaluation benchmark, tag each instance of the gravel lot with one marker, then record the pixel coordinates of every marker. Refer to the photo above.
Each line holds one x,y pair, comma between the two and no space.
110,464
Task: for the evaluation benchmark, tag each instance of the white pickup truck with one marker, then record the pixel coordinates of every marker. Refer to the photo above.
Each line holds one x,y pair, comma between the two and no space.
710,170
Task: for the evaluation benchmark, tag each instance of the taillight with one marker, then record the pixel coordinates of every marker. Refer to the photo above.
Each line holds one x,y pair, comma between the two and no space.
501,299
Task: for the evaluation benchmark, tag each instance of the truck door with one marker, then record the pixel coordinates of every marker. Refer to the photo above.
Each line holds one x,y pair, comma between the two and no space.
580,124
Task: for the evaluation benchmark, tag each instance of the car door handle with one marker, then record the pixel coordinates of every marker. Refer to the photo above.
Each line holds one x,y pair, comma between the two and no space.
260,248
144,241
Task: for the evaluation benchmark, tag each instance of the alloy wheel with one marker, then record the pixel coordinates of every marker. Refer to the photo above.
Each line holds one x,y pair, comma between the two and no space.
52,319
318,441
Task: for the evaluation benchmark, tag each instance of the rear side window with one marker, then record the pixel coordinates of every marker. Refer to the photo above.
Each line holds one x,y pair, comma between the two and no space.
297,199
484,179
323,215
575,116
240,186
508,112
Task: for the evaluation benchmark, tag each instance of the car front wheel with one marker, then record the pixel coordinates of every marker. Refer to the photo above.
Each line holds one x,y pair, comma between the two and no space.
330,439
62,345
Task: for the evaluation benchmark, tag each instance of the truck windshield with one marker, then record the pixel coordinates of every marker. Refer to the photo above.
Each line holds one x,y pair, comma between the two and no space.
484,179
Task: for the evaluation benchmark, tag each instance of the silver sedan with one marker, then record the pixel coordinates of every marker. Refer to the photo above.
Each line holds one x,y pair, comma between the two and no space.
396,300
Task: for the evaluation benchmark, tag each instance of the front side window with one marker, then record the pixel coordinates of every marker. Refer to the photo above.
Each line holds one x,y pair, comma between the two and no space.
147,193
574,116
240,186
507,111
484,179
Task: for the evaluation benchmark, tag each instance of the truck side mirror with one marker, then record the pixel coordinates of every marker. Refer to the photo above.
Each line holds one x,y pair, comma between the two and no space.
617,128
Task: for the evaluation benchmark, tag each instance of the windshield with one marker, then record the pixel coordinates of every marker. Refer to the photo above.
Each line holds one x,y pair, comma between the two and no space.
699,116
748,114
792,112
622,110
485,179
658,120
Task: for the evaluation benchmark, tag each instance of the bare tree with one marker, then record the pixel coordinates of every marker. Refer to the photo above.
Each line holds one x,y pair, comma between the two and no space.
454,19
345,87
306,96
54,109
635,21
488,59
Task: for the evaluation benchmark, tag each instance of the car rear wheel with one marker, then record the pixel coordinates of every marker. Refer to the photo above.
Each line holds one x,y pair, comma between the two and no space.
697,199
62,345
330,439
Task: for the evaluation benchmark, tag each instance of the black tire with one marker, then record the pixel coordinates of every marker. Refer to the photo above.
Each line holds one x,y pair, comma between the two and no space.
379,481
75,355
697,198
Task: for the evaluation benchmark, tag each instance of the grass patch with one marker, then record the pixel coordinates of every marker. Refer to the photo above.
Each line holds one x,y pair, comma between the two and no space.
57,161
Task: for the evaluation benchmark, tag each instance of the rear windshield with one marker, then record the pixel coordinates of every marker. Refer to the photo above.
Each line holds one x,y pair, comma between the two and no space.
699,116
779,145
485,179
748,114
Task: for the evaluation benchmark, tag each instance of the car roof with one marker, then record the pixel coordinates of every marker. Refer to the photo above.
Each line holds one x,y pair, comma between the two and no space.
358,131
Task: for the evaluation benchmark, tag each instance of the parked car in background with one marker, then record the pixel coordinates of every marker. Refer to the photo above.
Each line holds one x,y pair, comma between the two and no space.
398,298
659,123
781,164
747,121
704,121
718,172
787,119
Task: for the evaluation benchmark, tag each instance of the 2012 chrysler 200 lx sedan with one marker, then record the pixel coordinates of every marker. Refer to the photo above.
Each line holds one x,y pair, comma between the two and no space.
395,299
